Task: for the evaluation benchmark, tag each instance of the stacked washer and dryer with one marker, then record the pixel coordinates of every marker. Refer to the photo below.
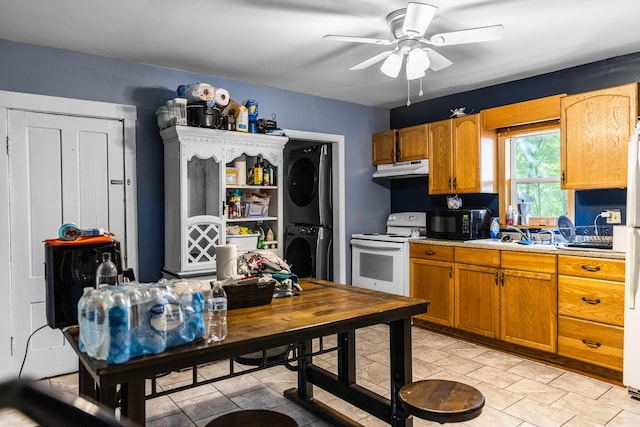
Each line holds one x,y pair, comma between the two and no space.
309,210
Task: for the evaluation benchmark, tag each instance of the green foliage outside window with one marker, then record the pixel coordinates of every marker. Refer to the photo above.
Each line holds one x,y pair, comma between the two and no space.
536,174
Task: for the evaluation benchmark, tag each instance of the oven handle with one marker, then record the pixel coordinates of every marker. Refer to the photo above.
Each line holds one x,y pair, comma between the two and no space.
378,246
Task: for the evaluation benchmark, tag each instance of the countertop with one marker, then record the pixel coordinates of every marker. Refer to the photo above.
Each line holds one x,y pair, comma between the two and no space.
511,246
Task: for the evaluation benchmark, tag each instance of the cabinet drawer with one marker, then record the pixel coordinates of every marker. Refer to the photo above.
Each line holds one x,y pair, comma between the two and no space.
483,257
540,263
432,252
591,342
596,300
594,268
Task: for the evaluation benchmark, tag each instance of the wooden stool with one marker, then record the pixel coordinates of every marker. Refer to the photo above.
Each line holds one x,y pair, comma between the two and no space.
253,418
441,401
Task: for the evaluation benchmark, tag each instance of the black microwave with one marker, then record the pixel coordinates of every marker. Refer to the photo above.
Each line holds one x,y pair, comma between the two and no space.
459,224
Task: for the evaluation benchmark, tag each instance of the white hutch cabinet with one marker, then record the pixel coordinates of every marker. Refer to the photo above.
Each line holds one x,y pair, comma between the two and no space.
195,193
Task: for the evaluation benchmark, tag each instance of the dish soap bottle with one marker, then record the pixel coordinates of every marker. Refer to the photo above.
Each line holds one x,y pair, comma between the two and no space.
494,229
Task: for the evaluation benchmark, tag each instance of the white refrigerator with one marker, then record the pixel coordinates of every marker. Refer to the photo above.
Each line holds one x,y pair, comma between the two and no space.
631,366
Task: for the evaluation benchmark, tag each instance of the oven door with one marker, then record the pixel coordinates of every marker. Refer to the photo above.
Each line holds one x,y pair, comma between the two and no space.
382,266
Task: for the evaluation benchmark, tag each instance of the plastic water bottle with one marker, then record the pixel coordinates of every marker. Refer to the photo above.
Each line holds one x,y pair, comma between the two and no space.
119,338
107,272
102,334
217,305
155,341
494,229
84,311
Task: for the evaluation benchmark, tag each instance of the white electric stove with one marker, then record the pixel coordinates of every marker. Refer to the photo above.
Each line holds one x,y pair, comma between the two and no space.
380,261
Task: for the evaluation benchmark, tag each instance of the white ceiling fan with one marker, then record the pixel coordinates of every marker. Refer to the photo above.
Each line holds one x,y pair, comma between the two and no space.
408,27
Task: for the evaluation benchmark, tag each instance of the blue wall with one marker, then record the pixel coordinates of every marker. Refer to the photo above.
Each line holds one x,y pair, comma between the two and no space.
407,195
45,71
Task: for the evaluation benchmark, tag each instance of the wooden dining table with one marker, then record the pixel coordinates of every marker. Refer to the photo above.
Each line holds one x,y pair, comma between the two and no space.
321,309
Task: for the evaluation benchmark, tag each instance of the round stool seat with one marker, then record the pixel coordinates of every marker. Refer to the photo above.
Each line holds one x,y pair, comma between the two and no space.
441,400
275,354
253,417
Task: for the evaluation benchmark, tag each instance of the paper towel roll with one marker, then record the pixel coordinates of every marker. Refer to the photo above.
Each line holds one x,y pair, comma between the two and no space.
226,262
241,165
221,97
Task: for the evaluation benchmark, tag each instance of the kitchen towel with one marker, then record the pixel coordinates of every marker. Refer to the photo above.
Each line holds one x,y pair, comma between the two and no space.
221,97
241,165
197,92
226,262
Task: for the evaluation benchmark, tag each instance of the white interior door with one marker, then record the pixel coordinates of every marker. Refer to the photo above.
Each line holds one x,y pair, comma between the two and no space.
61,169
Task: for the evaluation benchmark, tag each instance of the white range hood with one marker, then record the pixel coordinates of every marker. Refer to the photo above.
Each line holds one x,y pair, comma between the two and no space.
403,169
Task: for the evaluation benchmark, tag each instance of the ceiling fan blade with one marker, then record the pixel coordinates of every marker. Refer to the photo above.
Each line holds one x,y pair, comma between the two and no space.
355,39
472,35
369,62
438,61
417,18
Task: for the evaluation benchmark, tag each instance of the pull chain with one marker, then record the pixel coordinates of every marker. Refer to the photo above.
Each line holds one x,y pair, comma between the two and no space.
421,92
408,93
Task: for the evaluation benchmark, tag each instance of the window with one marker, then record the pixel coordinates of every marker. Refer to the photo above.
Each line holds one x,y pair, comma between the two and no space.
532,171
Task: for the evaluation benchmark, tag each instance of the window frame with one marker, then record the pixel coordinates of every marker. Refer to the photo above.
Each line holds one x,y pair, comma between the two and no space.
505,157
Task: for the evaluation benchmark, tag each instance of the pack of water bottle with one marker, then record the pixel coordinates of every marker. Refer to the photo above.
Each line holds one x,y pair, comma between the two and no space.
118,323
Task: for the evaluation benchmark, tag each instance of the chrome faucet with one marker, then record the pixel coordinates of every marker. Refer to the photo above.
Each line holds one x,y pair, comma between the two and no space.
551,233
525,236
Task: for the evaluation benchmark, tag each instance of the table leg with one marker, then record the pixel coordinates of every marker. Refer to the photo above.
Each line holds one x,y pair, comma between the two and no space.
347,357
305,388
86,385
132,398
401,368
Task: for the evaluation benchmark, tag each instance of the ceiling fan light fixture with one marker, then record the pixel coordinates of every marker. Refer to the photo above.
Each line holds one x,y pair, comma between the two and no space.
392,65
417,18
417,63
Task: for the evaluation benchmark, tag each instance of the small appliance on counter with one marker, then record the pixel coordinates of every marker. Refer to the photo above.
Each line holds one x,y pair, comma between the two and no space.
459,224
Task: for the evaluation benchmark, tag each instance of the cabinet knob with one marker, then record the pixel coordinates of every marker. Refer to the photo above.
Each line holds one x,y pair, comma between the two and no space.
455,183
591,269
591,301
429,252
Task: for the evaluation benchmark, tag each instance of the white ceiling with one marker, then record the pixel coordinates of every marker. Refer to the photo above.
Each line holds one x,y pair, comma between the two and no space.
279,42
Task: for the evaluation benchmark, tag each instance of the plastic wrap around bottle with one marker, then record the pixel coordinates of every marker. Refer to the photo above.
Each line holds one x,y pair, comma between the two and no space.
121,322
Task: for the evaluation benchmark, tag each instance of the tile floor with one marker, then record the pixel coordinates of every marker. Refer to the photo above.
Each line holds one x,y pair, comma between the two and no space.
518,392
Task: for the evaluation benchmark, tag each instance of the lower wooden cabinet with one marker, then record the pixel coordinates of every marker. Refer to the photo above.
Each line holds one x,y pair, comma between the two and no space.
477,307
431,278
528,300
572,306
591,342
591,310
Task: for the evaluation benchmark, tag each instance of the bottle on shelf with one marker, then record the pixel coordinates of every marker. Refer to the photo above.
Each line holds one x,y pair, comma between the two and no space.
107,273
258,171
217,305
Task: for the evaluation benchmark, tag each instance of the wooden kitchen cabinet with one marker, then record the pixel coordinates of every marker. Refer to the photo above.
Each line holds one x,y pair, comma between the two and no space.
594,133
463,156
477,292
383,147
591,310
510,296
528,300
406,144
431,278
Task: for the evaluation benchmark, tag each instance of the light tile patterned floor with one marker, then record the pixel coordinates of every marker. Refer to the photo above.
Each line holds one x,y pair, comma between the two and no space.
518,392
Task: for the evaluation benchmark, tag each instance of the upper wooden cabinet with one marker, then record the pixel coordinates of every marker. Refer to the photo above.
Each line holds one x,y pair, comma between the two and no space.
410,143
594,134
384,147
462,156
